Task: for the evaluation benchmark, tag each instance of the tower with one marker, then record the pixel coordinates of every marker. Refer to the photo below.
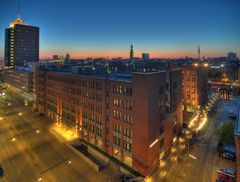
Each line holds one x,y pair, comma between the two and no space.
21,43
67,58
131,52
199,53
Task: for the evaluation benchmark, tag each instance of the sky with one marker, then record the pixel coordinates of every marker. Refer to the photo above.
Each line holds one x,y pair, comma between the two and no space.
106,28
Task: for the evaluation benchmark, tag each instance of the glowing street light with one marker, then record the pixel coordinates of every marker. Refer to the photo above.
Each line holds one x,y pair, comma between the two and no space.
193,157
69,162
148,179
203,122
13,139
38,131
205,65
20,114
40,179
163,173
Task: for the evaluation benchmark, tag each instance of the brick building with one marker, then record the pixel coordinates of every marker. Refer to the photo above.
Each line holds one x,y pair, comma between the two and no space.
124,115
195,89
237,143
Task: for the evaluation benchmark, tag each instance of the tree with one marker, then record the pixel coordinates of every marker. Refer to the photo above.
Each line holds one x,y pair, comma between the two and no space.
225,133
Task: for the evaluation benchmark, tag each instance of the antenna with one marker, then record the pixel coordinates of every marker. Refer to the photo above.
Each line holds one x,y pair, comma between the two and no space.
18,11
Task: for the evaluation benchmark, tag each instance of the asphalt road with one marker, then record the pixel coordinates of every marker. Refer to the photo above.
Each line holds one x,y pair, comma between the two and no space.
203,168
32,153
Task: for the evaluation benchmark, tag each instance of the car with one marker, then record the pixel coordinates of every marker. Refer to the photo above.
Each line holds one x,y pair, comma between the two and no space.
229,156
1,171
233,116
225,175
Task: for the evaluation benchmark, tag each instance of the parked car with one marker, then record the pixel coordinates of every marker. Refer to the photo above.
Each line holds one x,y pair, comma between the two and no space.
232,115
226,175
227,151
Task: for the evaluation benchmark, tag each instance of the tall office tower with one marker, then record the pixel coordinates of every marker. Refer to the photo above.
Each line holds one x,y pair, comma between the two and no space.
21,44
131,52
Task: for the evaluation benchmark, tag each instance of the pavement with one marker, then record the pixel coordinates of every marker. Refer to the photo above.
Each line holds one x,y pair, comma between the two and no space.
200,162
29,152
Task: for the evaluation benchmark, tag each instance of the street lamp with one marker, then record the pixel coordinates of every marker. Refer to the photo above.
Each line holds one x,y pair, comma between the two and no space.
20,114
193,157
38,131
68,160
13,139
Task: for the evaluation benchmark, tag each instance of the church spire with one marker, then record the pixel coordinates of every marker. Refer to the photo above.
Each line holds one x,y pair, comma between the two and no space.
131,52
199,53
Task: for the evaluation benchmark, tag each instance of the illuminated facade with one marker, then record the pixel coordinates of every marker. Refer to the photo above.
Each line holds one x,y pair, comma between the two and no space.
20,84
21,44
125,115
195,89
237,143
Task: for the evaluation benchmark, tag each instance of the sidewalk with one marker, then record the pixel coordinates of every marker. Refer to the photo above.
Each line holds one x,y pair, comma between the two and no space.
179,152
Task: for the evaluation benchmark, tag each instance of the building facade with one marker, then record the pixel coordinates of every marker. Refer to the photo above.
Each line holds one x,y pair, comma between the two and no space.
237,143
21,44
19,82
195,89
124,115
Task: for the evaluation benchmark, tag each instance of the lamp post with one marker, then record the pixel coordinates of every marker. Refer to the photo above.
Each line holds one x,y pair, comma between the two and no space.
68,160
24,133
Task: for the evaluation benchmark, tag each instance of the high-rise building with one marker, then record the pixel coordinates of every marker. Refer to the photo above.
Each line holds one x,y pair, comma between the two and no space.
131,52
145,56
21,44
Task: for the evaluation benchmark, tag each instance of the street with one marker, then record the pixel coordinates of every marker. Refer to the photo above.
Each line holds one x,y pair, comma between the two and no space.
29,152
199,165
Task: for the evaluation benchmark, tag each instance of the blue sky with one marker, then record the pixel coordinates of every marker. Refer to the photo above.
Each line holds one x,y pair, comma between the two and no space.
165,28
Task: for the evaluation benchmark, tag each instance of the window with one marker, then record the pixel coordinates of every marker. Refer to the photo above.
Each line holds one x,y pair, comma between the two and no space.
117,128
174,85
117,114
127,132
127,147
162,143
161,90
161,130
98,131
116,140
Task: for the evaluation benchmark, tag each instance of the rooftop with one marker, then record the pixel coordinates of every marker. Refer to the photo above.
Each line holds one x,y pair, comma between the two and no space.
99,72
18,21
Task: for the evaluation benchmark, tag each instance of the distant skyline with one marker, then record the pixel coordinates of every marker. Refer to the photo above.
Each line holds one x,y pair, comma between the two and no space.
106,28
